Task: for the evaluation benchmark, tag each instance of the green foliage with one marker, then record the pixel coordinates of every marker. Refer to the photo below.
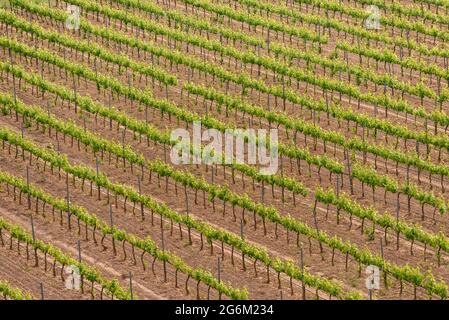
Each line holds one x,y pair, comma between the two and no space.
93,221
163,169
20,234
13,293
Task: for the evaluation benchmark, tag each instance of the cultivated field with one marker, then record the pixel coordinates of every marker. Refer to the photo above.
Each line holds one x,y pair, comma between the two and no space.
90,92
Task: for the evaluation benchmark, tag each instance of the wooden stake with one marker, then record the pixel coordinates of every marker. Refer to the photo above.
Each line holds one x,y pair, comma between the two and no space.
41,286
219,269
162,238
97,166
212,173
74,92
263,191
131,285
28,187
186,200
163,250
348,164
381,248
301,263
123,145
68,203
139,184
398,206
32,229
338,185
111,224
79,251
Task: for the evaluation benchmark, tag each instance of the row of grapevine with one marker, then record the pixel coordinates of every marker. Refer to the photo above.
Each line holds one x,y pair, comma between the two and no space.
279,68
373,179
142,128
153,27
163,105
186,21
147,244
280,118
11,293
386,221
267,24
241,68
152,133
360,256
112,287
88,105
360,14
360,74
87,47
354,143
388,56
406,10
207,230
338,25
241,79
227,196
437,3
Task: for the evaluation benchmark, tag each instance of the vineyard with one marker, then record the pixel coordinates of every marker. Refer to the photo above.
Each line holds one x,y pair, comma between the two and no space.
92,205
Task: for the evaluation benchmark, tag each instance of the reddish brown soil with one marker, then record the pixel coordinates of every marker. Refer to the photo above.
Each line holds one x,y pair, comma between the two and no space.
152,286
